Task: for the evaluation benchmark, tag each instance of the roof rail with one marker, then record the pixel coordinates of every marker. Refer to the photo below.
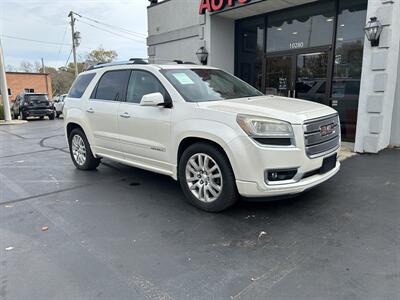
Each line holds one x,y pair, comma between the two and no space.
132,61
137,61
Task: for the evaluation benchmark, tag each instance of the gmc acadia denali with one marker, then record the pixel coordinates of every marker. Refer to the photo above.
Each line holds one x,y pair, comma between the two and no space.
217,135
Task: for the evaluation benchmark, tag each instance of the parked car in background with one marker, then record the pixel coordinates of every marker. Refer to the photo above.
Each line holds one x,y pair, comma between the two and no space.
220,137
59,104
32,105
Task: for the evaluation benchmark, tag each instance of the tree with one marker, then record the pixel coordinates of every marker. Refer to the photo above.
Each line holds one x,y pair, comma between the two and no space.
63,77
11,68
26,66
37,66
101,55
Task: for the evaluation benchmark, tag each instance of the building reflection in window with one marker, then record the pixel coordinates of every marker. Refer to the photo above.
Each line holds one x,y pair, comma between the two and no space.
348,63
299,28
250,39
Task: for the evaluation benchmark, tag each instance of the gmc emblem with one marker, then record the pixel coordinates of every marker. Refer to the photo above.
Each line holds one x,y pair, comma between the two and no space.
327,129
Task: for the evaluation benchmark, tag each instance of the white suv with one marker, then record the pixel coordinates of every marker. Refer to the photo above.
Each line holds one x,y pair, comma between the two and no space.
216,134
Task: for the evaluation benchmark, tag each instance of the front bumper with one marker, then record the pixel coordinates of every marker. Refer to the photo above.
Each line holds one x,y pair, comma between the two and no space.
253,189
38,112
250,161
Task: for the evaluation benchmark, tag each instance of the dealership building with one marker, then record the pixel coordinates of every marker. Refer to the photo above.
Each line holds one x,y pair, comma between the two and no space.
328,51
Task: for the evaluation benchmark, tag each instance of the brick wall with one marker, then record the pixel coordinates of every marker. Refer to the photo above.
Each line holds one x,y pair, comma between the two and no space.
17,82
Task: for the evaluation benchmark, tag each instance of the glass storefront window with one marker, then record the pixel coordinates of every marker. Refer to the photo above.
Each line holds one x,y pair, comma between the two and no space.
301,28
348,63
250,51
311,76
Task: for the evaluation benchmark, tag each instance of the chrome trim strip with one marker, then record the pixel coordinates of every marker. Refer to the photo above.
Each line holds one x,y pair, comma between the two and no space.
314,126
316,138
324,148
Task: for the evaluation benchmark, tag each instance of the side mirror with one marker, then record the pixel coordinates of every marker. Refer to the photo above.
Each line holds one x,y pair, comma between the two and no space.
154,99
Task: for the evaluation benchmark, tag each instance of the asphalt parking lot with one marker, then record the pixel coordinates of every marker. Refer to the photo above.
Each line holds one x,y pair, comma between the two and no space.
124,233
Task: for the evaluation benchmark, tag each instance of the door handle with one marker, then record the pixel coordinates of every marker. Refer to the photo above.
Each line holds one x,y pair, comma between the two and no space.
125,115
90,110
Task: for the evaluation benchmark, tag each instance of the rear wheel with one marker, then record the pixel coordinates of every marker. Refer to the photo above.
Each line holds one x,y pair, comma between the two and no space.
206,178
80,151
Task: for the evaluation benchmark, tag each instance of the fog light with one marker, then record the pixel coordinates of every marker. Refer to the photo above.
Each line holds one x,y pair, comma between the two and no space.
273,176
280,175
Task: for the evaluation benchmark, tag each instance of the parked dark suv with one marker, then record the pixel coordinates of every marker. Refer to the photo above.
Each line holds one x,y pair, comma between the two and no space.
32,105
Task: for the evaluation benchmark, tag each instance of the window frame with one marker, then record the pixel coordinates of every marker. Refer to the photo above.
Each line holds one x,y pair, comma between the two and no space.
167,98
93,94
87,86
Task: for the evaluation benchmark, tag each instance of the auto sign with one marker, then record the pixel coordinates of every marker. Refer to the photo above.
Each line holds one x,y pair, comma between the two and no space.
218,5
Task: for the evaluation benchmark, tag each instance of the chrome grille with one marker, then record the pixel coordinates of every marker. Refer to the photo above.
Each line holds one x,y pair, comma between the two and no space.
322,135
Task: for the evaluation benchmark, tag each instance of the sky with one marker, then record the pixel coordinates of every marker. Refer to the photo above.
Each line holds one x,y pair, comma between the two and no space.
47,21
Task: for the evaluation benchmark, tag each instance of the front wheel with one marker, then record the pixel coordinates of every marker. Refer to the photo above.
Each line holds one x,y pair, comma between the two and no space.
80,151
207,178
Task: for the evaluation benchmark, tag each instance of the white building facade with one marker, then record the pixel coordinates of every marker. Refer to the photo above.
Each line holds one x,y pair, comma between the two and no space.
313,50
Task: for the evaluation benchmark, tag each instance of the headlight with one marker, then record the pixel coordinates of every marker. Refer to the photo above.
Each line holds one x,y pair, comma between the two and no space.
266,130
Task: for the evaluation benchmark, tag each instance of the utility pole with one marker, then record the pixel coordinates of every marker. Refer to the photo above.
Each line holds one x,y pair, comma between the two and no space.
44,72
71,15
43,67
4,88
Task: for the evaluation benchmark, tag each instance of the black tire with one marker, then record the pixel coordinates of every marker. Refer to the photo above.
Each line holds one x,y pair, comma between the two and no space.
228,195
52,116
91,162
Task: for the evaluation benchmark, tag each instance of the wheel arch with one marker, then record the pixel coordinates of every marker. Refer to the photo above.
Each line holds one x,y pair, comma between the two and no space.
73,124
190,140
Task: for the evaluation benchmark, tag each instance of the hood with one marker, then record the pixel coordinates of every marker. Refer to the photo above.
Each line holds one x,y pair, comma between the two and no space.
294,111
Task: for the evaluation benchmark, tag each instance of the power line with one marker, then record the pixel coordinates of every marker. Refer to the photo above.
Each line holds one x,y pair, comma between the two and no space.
32,40
69,56
59,50
112,32
137,34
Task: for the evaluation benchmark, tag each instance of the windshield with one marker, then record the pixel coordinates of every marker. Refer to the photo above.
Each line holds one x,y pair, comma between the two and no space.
199,85
36,98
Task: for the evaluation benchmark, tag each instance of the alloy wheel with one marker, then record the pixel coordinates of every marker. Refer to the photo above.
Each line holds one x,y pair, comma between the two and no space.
78,150
204,177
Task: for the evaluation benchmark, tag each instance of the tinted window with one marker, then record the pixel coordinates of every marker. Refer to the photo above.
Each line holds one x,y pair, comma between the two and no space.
112,85
142,83
198,85
36,98
80,84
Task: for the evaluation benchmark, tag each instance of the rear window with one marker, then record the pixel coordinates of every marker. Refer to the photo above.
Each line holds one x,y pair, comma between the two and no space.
36,98
80,84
